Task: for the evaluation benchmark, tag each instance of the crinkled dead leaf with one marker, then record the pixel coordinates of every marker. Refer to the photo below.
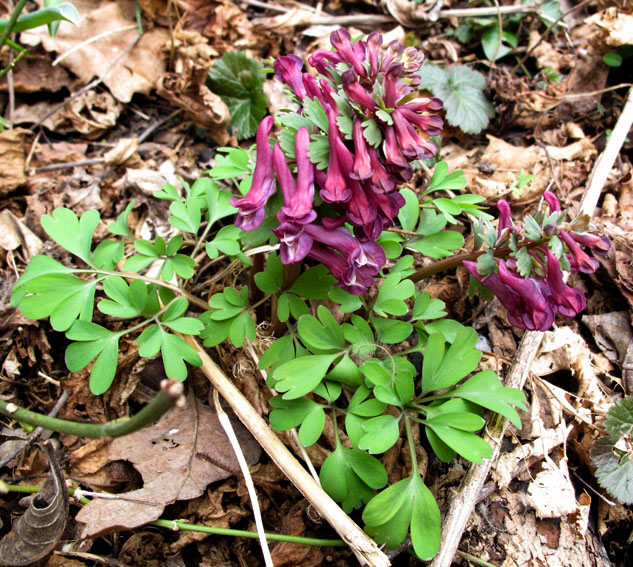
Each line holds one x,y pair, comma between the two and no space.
36,534
206,109
35,74
616,26
551,493
12,160
137,72
14,233
178,458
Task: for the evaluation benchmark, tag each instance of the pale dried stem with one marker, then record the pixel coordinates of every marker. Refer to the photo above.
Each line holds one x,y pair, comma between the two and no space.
605,161
365,549
293,431
248,479
464,502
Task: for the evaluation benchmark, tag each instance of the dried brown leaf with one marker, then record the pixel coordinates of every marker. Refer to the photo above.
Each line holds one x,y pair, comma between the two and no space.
36,534
12,159
135,73
177,458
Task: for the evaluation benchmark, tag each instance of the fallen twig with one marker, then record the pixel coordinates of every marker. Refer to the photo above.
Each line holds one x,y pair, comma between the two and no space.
464,502
365,549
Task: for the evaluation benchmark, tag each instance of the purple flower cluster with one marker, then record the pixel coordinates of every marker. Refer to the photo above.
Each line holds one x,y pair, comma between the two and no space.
369,87
533,303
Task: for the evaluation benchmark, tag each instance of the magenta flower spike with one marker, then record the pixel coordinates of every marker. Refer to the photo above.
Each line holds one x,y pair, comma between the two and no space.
288,68
569,301
362,163
580,261
352,54
251,206
508,298
538,315
356,92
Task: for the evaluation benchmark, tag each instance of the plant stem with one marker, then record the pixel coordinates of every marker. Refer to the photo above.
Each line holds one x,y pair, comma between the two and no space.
133,276
169,394
444,264
10,24
187,527
409,431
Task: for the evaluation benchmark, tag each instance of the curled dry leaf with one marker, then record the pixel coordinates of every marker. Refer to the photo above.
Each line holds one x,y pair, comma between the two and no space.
207,110
35,535
178,458
135,73
14,233
616,27
12,159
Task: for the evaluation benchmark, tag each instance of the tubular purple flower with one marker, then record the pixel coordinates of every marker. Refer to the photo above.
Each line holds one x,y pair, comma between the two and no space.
335,189
355,91
381,181
312,88
431,104
327,90
505,217
552,201
390,84
538,313
251,206
352,54
298,197
390,147
580,261
362,163
569,301
294,242
411,143
430,124
288,69
374,41
360,212
321,59
349,279
597,244
393,51
508,298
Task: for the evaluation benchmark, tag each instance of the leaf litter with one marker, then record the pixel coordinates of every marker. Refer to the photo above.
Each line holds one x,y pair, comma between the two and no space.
576,384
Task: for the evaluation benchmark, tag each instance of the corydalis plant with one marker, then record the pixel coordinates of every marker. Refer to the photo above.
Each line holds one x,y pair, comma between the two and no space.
360,125
529,283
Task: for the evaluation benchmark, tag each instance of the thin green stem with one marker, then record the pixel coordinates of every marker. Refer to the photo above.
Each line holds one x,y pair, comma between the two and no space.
10,24
262,300
187,527
163,400
409,431
133,276
21,55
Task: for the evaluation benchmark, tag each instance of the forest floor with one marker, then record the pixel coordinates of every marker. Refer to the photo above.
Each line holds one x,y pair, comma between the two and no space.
557,92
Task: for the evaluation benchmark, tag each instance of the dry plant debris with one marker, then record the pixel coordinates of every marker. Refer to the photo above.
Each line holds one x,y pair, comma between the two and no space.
556,102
